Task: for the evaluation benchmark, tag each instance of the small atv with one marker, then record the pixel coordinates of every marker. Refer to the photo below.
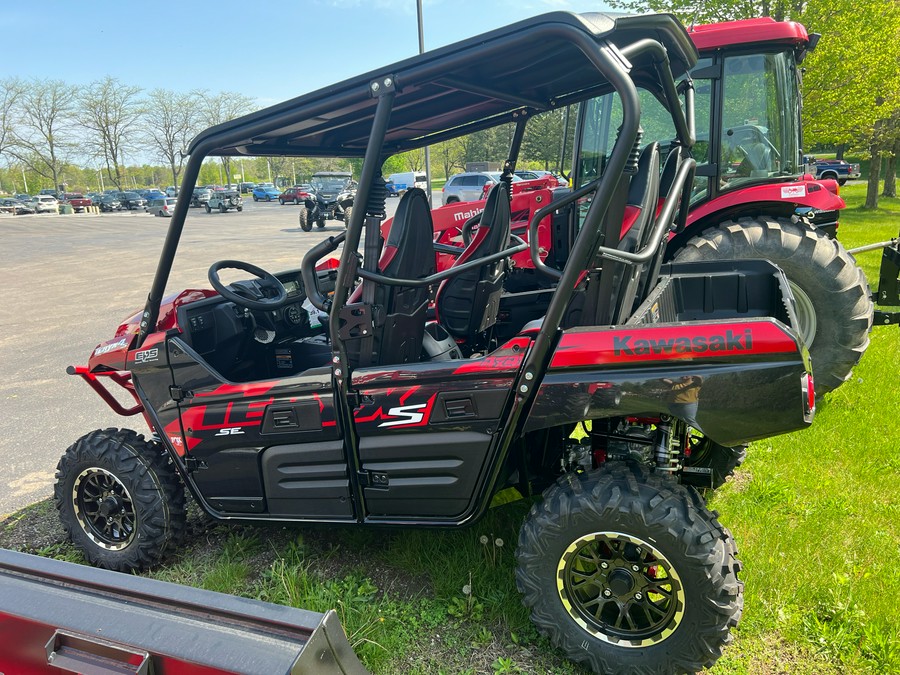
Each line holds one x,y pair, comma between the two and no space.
375,390
333,197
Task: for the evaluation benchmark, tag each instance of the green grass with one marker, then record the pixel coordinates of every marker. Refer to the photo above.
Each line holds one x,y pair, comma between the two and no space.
816,515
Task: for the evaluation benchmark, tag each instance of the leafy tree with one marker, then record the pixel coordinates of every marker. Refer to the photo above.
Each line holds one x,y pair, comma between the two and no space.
170,121
543,136
110,111
42,135
222,107
11,90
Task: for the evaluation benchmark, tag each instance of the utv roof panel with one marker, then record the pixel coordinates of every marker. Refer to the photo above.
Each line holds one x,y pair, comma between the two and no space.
524,68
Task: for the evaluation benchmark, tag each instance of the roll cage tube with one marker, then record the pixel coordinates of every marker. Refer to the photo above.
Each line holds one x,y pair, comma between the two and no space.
608,60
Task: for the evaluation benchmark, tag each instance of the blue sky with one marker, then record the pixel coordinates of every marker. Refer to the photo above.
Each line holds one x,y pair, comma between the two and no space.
267,51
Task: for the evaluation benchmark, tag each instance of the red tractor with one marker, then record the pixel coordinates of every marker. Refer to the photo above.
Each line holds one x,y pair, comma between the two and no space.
751,198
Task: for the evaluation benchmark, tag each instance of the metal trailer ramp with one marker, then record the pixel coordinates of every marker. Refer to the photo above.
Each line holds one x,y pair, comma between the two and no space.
58,617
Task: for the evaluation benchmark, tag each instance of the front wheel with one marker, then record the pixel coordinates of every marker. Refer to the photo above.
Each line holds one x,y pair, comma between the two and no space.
305,222
281,201
119,500
222,208
348,212
834,309
208,208
626,571
255,198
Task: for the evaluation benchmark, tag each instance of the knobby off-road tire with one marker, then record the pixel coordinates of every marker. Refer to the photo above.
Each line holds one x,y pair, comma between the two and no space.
629,573
834,307
348,211
119,500
721,460
305,223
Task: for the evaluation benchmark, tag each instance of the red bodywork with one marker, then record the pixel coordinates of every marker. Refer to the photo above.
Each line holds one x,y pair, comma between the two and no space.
747,32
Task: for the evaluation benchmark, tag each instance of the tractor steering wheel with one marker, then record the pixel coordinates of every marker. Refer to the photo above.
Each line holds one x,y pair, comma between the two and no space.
267,283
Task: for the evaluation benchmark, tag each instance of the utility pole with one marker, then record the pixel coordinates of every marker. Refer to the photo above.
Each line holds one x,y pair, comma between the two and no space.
427,150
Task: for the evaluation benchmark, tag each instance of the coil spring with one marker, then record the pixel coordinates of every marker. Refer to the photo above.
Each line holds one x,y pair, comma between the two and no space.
631,164
668,454
376,203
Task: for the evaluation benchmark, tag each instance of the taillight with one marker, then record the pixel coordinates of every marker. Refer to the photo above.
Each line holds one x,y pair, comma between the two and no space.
809,396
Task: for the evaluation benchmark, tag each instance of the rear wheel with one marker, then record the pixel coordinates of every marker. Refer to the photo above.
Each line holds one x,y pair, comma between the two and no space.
281,201
718,461
222,208
834,310
320,223
208,208
119,499
348,212
296,201
625,571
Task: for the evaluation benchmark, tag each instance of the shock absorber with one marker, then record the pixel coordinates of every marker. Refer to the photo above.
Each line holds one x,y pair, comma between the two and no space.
668,454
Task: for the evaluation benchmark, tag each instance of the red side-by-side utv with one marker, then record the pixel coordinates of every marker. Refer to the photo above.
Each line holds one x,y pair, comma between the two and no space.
381,390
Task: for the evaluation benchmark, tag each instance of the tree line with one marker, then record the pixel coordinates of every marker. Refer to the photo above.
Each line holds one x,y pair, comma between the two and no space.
93,136
51,129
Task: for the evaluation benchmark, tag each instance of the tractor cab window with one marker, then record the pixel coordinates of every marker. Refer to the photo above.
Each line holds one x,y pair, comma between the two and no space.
759,135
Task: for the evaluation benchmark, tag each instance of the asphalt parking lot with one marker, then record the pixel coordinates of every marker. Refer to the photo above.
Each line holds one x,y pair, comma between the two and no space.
68,282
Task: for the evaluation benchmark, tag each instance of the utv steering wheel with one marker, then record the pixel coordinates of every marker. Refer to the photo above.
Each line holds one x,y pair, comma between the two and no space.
267,281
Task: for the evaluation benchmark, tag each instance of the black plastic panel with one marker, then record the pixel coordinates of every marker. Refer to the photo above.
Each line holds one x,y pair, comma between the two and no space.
428,474
307,479
486,404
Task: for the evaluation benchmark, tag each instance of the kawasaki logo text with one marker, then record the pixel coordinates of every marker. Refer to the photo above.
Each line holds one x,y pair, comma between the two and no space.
627,345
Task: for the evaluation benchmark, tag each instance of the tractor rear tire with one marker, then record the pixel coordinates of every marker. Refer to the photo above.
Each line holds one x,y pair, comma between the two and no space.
120,500
834,307
628,572
305,223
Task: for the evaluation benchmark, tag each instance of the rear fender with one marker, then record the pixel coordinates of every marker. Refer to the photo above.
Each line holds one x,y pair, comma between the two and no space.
750,377
780,200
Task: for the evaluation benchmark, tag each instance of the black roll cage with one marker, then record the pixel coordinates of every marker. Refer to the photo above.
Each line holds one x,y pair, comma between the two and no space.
450,92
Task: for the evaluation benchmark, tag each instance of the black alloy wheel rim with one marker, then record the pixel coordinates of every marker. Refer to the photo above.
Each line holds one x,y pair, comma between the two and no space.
620,589
104,508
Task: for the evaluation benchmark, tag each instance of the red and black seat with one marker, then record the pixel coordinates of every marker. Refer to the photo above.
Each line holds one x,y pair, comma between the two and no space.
397,312
466,304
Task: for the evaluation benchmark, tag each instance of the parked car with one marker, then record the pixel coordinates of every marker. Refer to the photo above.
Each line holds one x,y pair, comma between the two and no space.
295,194
22,197
109,202
223,200
94,197
154,194
835,169
77,201
44,204
51,192
533,174
406,180
15,206
246,187
469,186
172,191
162,206
265,194
131,200
200,196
